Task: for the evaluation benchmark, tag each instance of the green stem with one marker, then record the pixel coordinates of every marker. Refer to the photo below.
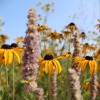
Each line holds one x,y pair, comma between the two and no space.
48,87
13,74
67,94
69,44
1,80
7,84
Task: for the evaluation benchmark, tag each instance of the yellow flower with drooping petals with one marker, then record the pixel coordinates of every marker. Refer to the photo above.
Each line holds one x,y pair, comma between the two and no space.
41,28
83,62
66,33
82,35
19,39
7,54
98,25
3,38
97,55
48,63
66,55
55,35
71,26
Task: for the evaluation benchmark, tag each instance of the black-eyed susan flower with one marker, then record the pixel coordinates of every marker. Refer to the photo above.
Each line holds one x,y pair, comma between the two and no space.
83,62
66,55
48,63
55,35
97,55
98,25
67,33
41,28
7,54
71,26
19,39
87,85
82,35
3,38
86,47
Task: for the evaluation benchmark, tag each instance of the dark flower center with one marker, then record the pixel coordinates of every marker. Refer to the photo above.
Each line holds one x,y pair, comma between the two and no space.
83,33
14,45
86,44
69,52
88,58
72,24
38,24
48,57
5,46
2,35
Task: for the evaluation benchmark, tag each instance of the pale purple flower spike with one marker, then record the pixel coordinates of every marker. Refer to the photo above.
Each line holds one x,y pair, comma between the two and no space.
31,53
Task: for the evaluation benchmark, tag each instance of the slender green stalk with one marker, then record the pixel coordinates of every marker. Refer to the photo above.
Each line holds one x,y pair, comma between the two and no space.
48,87
13,74
7,83
67,94
1,79
69,44
53,84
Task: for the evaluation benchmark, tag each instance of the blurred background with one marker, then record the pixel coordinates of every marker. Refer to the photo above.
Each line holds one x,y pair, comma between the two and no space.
13,15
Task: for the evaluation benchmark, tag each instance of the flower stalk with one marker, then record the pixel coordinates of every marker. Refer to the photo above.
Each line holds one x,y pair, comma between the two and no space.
94,89
73,73
53,85
31,55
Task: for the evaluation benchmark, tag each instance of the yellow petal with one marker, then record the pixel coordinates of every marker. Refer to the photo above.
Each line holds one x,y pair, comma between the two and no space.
95,66
1,55
91,64
59,66
41,59
84,64
1,51
18,58
80,65
10,56
56,66
6,57
78,59
47,66
50,67
42,67
86,85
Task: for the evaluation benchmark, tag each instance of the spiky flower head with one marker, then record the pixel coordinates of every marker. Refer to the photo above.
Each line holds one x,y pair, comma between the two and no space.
31,52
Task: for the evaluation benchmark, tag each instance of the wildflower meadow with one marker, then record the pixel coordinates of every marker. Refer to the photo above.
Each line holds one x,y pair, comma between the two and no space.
49,65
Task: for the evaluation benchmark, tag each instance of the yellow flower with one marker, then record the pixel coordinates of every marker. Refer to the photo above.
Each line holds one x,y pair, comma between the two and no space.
86,47
83,62
82,35
7,54
17,49
3,38
42,28
87,84
71,26
66,33
68,54
54,35
98,25
97,55
48,63
19,39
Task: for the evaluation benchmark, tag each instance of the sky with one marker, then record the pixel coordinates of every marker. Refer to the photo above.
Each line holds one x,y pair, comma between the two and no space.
84,13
